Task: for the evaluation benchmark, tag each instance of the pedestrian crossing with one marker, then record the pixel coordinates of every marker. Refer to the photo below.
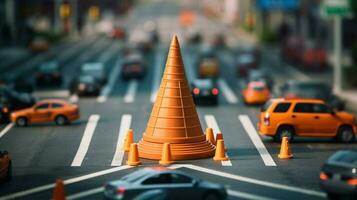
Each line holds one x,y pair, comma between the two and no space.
126,122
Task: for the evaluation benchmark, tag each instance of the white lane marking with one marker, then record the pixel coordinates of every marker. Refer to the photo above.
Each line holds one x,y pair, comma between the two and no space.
111,51
6,129
227,91
86,139
254,137
252,181
212,123
157,73
66,182
130,93
73,98
245,195
86,193
119,153
52,94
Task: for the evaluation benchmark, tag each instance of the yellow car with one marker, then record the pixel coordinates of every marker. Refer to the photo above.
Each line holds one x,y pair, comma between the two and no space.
208,68
39,44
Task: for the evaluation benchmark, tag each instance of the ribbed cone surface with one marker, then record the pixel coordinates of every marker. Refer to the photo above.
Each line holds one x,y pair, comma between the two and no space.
59,194
174,117
166,155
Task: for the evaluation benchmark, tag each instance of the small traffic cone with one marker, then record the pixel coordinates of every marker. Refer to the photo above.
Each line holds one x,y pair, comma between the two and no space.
133,158
129,139
58,193
166,155
210,136
219,136
220,151
285,152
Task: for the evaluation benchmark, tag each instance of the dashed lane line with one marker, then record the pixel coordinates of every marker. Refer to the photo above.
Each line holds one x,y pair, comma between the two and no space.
66,182
131,92
157,73
114,73
227,91
86,139
254,137
6,129
212,123
119,153
245,195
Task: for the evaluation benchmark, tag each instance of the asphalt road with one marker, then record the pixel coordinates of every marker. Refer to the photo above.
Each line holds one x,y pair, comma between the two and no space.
85,153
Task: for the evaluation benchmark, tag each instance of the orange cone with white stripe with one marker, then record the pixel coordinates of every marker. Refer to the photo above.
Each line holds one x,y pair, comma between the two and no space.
220,154
133,158
129,139
210,136
59,193
285,152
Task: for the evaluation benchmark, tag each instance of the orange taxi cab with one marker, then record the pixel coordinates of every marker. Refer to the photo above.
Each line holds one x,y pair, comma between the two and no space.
58,111
307,118
5,166
256,92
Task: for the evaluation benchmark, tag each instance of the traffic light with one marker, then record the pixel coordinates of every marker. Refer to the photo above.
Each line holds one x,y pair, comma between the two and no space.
94,13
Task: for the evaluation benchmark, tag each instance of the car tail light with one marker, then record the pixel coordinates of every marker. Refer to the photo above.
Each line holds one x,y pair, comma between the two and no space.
82,86
121,190
352,181
323,176
196,91
5,110
215,91
266,119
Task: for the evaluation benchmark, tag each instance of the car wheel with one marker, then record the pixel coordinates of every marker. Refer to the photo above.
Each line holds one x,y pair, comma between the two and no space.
345,134
284,131
211,196
21,121
9,172
61,120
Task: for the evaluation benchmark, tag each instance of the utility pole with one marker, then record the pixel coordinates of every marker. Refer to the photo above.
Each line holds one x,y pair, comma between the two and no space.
337,75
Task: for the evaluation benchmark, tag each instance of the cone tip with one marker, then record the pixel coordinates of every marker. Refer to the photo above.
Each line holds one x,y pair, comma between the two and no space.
174,41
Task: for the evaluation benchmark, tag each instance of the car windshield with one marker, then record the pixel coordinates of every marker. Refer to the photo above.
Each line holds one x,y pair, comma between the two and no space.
345,158
133,177
48,67
86,79
92,68
203,84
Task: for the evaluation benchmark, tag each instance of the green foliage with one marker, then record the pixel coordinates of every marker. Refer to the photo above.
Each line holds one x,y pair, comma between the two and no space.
268,36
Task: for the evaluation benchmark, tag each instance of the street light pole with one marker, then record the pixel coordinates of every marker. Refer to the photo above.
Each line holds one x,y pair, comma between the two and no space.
337,54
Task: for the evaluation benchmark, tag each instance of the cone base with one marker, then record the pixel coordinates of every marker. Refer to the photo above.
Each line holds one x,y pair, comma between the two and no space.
220,158
179,151
131,163
165,162
285,156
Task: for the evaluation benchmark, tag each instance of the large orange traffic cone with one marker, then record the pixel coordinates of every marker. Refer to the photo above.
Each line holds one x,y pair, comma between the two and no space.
59,193
129,139
285,152
220,151
166,155
174,117
210,136
133,158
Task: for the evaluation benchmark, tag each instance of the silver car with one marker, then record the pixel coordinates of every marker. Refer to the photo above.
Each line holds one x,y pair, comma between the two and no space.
176,184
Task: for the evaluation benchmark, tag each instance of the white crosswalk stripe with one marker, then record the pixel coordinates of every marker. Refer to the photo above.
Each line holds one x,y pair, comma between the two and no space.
227,91
86,139
119,153
131,92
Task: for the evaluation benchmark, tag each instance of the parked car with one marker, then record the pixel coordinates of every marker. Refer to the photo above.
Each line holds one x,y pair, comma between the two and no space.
256,92
5,166
15,100
59,111
85,85
205,91
48,74
95,70
133,67
177,185
311,90
307,118
338,175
